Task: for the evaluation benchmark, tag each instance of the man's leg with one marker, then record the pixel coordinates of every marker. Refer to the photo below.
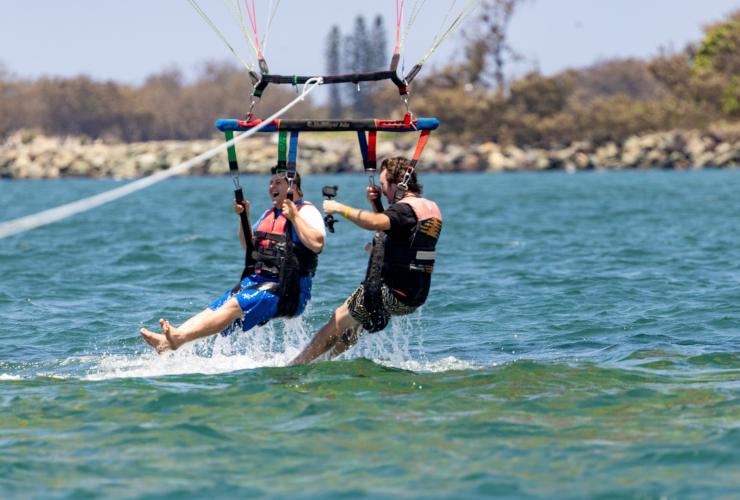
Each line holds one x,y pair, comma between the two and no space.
203,324
335,337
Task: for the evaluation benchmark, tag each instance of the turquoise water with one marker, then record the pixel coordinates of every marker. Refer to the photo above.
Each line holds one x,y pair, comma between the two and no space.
581,340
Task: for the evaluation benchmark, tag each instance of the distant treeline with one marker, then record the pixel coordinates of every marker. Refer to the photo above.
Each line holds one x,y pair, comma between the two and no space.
611,100
694,88
163,107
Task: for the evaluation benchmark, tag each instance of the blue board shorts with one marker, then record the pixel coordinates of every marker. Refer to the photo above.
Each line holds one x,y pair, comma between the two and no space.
258,306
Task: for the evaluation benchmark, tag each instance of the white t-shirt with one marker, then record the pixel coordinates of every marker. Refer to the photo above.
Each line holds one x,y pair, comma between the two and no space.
313,218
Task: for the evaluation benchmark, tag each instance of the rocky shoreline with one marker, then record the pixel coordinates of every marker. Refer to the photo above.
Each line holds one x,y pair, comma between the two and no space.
25,155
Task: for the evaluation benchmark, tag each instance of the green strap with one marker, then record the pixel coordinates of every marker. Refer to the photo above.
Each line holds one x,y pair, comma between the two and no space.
283,149
231,151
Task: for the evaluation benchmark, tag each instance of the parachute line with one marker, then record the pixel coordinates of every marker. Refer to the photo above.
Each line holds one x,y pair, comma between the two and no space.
415,10
444,22
252,14
399,21
238,13
464,13
210,23
274,5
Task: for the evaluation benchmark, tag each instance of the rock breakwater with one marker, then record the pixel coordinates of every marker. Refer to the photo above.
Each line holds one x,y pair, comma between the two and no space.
25,155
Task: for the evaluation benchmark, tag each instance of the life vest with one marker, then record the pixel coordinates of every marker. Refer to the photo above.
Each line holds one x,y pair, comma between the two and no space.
272,239
408,264
278,257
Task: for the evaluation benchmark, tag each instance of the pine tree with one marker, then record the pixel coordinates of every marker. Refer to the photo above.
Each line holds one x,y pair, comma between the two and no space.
379,45
334,67
358,59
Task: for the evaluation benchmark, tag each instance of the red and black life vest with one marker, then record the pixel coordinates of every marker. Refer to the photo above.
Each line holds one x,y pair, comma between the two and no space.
272,241
277,256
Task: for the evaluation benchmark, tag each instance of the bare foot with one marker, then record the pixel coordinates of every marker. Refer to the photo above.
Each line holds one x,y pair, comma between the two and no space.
171,333
161,343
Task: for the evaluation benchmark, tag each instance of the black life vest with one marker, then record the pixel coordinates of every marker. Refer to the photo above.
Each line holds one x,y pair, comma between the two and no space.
406,265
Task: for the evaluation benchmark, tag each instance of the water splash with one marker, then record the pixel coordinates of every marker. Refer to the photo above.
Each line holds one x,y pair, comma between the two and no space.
275,344
401,345
271,345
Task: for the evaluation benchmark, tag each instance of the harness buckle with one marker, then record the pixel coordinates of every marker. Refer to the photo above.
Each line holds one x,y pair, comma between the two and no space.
290,176
403,186
252,104
409,116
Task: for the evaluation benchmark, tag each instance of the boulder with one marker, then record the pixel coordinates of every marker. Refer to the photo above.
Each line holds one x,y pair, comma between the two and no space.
496,161
632,152
489,148
678,160
582,161
607,156
695,146
538,159
730,158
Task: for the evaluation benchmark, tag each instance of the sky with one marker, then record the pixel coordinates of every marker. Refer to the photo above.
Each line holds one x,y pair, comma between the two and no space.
128,40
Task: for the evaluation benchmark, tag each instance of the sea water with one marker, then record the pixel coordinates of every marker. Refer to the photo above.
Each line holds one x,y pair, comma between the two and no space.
580,340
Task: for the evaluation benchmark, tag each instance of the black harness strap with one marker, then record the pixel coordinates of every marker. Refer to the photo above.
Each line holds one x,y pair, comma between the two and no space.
244,217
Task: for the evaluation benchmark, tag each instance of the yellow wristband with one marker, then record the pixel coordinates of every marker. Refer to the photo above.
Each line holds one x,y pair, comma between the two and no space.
346,212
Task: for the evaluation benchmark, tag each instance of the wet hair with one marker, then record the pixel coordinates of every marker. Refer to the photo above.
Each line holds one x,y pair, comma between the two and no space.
296,180
396,168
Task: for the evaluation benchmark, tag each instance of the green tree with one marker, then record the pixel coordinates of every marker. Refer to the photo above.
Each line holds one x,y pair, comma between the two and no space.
358,59
488,50
380,58
334,67
630,77
673,72
539,95
718,58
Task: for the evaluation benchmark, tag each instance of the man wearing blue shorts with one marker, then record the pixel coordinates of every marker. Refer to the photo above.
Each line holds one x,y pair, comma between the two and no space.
277,282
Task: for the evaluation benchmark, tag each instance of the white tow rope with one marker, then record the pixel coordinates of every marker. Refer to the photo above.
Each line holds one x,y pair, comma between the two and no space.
45,217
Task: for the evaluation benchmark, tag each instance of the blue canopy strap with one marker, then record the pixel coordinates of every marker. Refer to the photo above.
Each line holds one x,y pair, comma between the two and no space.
363,146
369,160
293,151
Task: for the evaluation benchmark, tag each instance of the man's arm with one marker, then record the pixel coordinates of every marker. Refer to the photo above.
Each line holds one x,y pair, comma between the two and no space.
310,236
362,218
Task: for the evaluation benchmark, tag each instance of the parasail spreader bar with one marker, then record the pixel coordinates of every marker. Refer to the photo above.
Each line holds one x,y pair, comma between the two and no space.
418,124
266,78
